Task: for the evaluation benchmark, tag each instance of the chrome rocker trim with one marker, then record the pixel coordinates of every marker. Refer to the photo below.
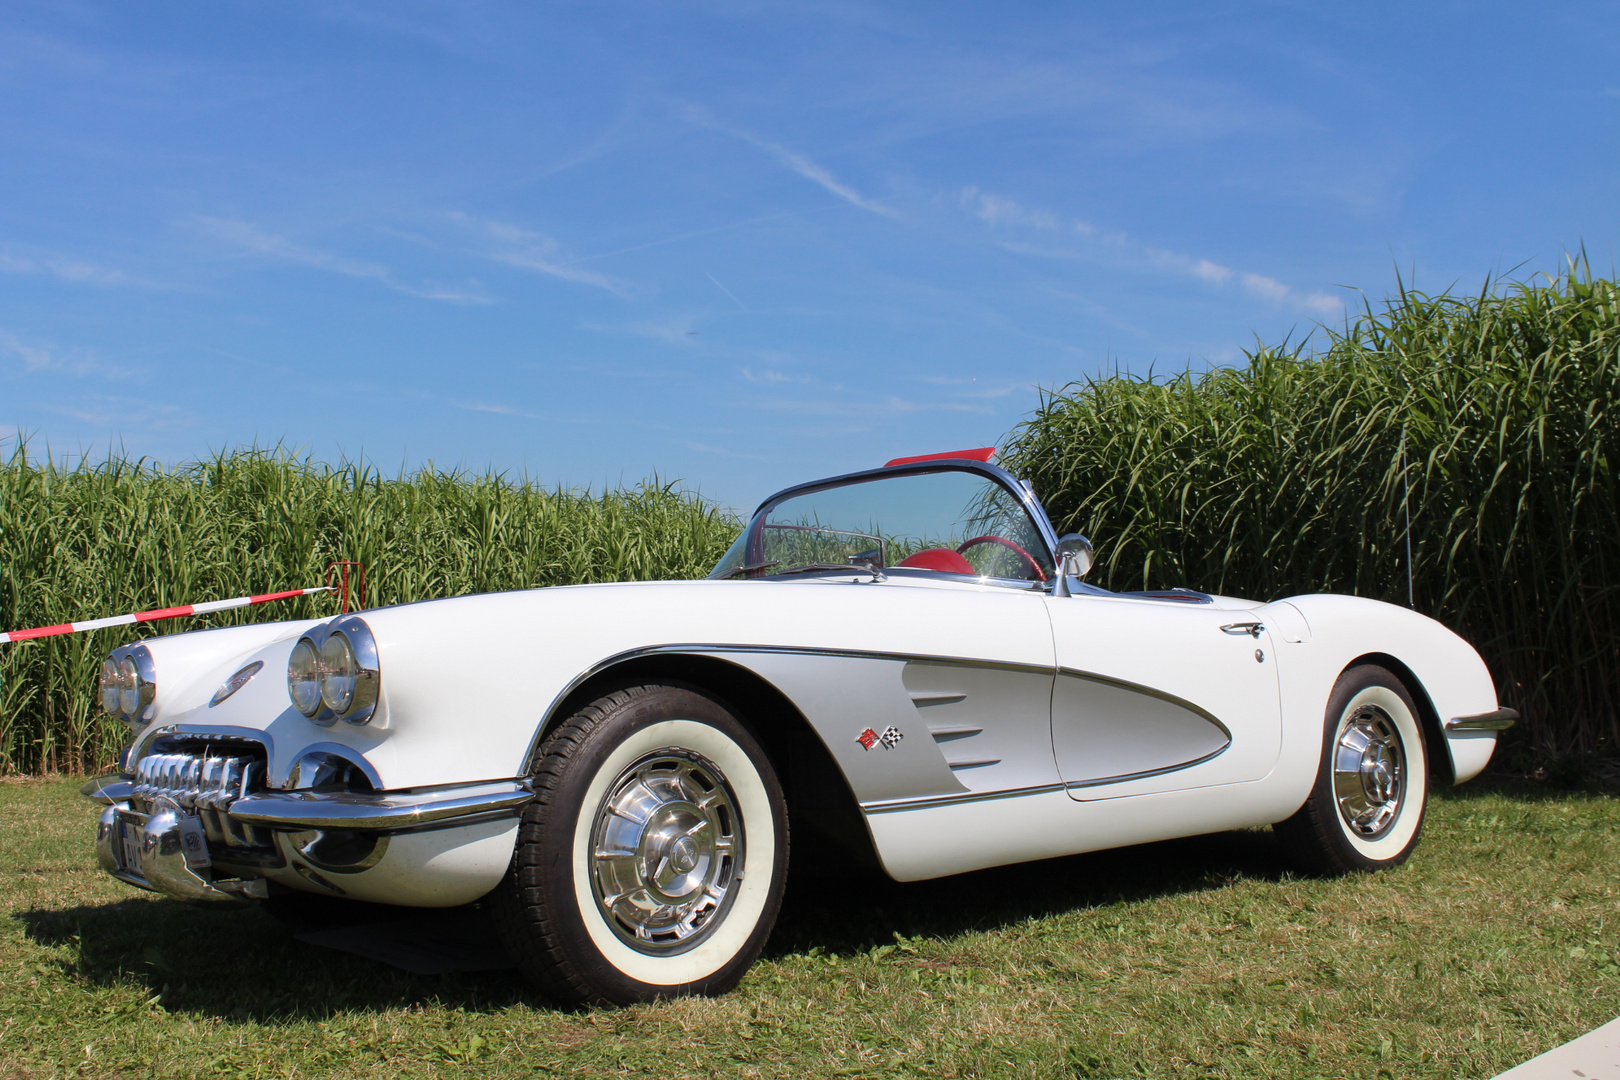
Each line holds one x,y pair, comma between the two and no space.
383,810
1500,720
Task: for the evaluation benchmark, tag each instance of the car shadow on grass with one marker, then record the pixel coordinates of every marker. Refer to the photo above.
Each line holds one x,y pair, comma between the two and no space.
244,964
843,913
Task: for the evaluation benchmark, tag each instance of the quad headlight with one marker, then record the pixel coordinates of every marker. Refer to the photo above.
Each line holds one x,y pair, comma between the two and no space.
304,677
332,672
128,683
108,689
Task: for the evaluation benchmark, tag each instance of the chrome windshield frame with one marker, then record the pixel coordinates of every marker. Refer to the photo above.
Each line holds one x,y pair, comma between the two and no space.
1019,489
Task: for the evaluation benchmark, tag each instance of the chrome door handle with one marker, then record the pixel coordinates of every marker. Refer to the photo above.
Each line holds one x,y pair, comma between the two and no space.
1253,629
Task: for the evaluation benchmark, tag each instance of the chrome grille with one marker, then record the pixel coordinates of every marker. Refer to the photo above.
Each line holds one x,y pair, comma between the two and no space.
205,783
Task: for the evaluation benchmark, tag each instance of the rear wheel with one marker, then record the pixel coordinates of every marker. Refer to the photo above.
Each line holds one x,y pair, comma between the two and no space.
650,863
1366,808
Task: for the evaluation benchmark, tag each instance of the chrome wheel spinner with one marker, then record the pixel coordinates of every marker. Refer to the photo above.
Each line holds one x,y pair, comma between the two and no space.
666,851
1369,771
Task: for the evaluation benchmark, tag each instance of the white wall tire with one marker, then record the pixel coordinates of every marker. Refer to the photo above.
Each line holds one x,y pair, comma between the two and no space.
1367,804
651,862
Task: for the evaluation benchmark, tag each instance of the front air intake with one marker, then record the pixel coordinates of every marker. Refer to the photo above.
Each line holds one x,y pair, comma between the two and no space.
204,778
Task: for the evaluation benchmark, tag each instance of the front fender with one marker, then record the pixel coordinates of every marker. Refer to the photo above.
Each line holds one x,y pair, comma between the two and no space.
1346,629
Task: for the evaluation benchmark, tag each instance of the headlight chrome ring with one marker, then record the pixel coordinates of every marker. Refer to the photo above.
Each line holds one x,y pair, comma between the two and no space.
332,672
128,683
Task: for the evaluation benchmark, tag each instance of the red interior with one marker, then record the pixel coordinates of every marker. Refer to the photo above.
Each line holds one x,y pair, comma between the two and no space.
939,559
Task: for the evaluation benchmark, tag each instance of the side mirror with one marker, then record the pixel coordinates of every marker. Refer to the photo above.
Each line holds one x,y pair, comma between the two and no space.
1075,556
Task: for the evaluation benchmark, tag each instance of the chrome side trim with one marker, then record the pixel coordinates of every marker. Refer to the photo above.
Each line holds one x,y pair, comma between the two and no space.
390,810
1144,774
891,806
1499,720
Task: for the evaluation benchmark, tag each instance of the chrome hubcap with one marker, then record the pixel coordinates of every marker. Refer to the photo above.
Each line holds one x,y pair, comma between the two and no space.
1369,771
666,851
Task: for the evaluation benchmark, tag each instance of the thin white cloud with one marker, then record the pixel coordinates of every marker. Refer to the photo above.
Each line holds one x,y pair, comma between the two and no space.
676,330
894,405
771,377
72,271
791,160
1203,269
996,210
507,410
254,240
529,250
47,358
971,387
1266,288
498,410
728,292
125,413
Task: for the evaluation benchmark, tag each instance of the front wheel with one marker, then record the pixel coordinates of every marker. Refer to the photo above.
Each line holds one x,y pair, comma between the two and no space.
1366,808
651,862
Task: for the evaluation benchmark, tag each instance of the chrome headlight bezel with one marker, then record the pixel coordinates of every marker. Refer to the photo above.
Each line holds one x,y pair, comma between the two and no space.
128,683
350,691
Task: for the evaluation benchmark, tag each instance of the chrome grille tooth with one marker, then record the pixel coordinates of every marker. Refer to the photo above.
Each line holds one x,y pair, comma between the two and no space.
230,782
206,783
250,773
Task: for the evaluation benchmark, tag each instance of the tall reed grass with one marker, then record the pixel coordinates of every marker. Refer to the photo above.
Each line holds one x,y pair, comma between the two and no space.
118,536
1500,411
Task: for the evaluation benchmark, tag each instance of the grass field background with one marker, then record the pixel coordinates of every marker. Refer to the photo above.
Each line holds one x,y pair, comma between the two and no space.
1193,958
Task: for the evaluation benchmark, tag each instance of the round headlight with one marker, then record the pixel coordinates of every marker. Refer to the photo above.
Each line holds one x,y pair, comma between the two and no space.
109,686
304,678
338,671
129,687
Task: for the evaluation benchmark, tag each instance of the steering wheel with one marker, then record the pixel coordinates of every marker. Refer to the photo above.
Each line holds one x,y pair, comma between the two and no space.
1029,560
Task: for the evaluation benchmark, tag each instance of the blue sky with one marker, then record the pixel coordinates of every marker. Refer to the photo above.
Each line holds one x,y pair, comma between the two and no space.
739,244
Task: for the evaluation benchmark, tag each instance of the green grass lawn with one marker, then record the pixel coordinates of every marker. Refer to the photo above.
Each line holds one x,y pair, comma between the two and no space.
1188,959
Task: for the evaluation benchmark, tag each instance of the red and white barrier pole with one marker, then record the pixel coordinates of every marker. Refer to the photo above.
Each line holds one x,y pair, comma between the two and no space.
161,613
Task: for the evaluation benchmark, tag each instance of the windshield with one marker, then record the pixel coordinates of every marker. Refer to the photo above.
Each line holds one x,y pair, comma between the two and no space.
950,521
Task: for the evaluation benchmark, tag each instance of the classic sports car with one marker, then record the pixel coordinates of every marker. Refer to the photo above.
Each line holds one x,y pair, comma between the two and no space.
904,663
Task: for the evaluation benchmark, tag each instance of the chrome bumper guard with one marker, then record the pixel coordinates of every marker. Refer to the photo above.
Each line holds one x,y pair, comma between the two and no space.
167,850
162,851
1499,720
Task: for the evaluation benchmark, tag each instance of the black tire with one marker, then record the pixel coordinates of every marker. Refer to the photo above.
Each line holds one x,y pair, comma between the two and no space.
601,908
1367,804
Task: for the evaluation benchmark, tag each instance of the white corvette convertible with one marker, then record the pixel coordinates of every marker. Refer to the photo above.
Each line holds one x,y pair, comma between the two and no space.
903,665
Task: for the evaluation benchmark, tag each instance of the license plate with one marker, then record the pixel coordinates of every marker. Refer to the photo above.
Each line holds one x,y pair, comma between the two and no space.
194,842
129,844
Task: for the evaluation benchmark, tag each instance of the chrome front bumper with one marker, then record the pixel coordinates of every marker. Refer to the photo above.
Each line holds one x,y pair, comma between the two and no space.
168,851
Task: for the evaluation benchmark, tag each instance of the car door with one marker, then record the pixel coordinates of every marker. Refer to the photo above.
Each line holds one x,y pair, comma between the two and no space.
1158,695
